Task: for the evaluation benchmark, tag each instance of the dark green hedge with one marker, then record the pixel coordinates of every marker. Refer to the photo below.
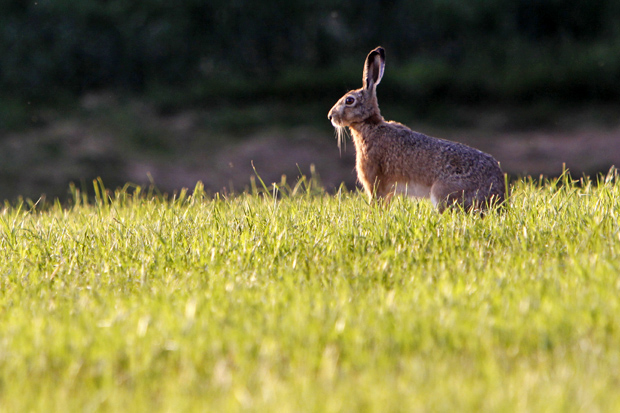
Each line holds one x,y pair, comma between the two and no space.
482,49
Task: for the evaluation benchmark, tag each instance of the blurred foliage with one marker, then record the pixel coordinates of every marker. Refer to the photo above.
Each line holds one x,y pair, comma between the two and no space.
197,51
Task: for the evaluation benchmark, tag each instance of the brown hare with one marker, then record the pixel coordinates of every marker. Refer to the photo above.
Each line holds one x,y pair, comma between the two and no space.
391,158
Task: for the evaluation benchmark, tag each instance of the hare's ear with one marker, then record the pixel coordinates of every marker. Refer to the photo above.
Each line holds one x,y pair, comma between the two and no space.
373,68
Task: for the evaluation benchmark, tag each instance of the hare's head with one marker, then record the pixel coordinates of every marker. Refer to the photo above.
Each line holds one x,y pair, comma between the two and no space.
360,106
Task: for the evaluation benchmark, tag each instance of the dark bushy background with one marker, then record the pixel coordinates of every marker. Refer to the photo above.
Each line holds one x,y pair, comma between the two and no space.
191,90
477,50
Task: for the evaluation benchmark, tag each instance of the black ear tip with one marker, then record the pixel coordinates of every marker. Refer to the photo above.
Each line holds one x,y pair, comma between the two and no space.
377,51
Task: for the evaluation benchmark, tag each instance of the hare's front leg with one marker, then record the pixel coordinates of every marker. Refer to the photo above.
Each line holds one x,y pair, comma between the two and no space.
367,174
378,187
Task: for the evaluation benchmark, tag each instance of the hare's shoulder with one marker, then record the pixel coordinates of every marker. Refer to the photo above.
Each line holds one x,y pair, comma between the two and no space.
404,133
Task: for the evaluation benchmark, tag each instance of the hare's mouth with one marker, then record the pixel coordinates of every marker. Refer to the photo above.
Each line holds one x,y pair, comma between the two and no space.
335,120
335,117
338,122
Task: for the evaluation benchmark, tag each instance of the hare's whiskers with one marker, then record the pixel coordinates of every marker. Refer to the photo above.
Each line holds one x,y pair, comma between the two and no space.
341,137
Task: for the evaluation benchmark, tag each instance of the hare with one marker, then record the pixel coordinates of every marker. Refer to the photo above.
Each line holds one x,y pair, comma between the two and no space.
391,158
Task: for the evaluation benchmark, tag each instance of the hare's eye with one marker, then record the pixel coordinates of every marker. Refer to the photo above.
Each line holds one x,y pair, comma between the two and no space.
349,100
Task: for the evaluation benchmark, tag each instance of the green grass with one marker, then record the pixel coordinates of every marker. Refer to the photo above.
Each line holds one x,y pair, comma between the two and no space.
312,302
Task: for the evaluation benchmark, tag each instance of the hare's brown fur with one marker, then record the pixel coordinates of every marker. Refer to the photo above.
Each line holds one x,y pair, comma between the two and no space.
391,158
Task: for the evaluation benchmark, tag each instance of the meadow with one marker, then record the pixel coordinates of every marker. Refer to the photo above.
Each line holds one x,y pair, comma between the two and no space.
290,299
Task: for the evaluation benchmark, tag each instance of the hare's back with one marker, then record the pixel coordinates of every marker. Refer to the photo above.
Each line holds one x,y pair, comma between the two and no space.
455,156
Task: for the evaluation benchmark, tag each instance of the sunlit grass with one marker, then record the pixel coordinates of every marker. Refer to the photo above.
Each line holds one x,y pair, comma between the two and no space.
305,301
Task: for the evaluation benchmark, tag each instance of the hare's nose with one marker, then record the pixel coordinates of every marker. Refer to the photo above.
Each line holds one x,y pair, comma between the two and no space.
329,116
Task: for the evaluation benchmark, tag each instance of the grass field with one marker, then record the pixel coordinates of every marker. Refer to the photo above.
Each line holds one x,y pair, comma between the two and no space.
308,302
